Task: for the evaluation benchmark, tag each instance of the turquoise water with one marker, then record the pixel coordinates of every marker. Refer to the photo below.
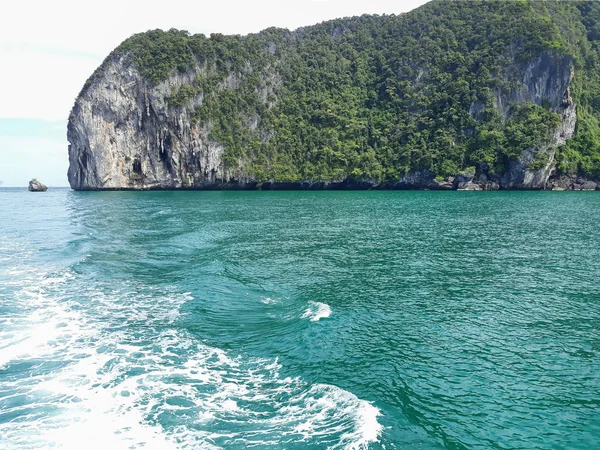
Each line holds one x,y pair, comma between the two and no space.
293,320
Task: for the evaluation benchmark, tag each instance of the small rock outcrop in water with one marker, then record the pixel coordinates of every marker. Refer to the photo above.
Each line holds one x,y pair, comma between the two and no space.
36,186
360,103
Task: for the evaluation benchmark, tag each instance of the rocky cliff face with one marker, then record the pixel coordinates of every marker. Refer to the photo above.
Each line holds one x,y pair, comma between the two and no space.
364,111
545,80
124,135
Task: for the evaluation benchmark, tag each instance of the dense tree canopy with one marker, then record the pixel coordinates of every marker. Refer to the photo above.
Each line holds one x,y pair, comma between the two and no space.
377,96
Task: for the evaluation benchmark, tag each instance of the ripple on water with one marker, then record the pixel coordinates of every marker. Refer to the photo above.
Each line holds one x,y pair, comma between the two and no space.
106,369
471,319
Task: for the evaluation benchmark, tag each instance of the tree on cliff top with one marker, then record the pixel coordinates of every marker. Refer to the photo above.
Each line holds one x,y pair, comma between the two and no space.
378,96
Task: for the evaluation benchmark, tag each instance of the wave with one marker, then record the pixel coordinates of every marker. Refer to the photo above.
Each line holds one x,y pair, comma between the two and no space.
109,365
317,311
269,301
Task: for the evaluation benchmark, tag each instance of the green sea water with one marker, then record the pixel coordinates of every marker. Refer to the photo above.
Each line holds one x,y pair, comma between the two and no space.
299,320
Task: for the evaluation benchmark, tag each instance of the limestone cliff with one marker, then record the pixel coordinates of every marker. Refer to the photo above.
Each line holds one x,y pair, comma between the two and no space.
124,135
544,80
135,128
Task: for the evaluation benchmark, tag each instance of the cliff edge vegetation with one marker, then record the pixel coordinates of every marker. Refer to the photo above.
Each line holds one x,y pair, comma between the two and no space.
455,94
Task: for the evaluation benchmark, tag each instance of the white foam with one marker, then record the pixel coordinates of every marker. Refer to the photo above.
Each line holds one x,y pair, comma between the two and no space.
325,410
368,429
230,405
48,325
122,369
317,311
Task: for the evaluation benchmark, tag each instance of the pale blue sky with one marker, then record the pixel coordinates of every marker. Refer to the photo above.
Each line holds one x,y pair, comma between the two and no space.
49,48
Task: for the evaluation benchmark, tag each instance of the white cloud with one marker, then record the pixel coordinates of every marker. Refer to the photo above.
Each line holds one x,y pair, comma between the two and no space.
49,48
42,85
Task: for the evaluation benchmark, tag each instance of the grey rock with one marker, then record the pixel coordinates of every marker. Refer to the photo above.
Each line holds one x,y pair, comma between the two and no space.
446,184
420,179
123,134
465,177
589,186
563,183
470,186
464,182
36,186
476,109
545,79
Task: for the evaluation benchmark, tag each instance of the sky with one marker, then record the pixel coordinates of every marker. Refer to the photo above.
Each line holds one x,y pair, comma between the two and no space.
48,49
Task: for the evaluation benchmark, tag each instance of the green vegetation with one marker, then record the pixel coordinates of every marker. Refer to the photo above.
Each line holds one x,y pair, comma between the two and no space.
582,153
374,97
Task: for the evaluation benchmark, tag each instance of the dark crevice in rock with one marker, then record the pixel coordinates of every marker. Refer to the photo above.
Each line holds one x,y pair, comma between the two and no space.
137,167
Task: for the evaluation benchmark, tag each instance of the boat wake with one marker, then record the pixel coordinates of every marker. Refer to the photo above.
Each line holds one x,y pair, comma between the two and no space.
94,363
317,311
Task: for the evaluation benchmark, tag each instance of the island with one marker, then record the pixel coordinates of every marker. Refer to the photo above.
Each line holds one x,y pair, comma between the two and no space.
453,95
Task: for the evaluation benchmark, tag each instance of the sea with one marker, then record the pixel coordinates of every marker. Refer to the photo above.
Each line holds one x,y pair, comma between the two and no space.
299,320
